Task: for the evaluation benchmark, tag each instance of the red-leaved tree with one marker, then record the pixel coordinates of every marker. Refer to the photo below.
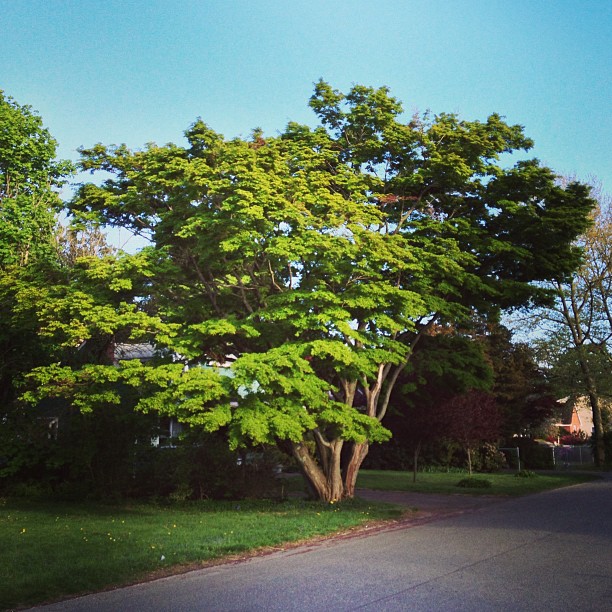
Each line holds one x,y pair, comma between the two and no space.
471,419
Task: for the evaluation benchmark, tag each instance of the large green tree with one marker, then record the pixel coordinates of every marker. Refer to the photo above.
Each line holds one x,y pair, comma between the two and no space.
311,264
38,263
30,176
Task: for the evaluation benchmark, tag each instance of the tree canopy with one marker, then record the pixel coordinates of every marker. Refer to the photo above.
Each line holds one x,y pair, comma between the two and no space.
29,174
310,264
577,325
29,178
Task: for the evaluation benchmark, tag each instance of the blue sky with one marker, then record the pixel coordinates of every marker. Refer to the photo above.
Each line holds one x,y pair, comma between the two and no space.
139,71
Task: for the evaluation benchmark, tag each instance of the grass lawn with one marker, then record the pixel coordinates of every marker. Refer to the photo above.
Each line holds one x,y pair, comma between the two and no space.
446,482
52,550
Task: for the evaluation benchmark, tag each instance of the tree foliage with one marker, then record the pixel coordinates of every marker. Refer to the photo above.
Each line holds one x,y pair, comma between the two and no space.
29,178
451,363
311,264
578,324
471,419
446,363
521,388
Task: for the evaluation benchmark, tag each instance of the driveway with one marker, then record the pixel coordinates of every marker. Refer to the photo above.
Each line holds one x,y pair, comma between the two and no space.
548,551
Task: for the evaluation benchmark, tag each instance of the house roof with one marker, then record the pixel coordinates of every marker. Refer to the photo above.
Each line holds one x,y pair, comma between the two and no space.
142,351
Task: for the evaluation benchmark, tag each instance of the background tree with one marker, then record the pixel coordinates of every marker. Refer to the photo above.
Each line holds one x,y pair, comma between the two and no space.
38,270
521,388
471,419
30,177
579,323
446,363
314,263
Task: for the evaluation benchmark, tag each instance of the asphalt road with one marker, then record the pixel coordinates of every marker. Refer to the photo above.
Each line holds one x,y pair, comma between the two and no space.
550,551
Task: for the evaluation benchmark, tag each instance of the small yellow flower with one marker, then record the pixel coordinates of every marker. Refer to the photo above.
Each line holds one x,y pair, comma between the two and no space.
23,530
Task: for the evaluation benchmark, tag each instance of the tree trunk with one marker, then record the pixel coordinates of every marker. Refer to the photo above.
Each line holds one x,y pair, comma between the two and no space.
358,454
469,459
600,447
325,485
415,461
591,388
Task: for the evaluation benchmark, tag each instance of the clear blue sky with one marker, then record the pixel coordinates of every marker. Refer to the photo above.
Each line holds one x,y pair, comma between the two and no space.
137,71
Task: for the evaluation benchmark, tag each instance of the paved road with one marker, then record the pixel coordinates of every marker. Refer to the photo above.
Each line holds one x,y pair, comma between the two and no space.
550,551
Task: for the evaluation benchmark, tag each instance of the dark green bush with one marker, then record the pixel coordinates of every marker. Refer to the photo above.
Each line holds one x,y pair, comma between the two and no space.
201,466
526,474
475,483
86,456
488,459
534,456
391,455
108,455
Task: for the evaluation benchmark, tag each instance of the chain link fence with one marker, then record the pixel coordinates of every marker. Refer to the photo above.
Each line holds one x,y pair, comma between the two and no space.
557,457
572,456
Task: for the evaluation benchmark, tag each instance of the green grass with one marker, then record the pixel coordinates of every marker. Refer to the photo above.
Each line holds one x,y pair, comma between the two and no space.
446,482
53,550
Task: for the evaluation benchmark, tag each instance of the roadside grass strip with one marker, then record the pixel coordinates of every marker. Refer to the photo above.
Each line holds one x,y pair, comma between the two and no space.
505,483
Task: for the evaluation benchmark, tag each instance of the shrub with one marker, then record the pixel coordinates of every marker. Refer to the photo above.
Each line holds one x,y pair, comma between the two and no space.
392,455
526,474
475,483
574,439
201,466
30,490
488,459
534,456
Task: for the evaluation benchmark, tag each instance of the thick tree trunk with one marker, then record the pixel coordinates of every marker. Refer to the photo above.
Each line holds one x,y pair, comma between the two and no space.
591,387
357,455
325,485
600,447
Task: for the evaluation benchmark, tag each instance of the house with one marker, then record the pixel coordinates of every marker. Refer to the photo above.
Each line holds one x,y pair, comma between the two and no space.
576,414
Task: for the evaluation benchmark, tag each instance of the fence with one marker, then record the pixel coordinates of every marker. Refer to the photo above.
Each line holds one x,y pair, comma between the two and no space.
570,456
513,457
562,457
